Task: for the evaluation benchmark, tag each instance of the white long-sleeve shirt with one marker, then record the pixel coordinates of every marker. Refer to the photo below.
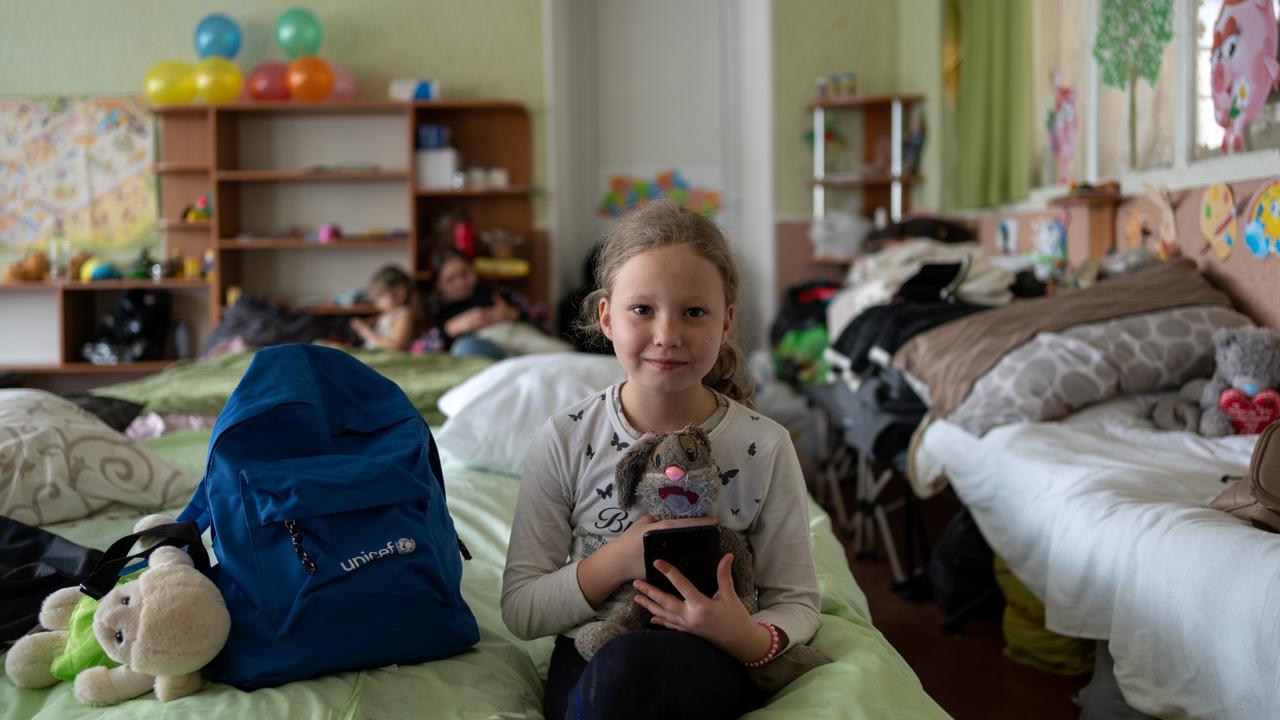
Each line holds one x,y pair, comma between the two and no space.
568,508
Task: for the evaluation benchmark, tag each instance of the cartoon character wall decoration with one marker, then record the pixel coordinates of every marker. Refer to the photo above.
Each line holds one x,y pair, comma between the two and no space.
1243,64
1218,220
1061,123
1262,232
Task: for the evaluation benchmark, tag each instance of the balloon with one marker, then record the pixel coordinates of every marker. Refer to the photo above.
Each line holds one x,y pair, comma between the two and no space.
344,83
217,36
310,79
298,32
218,80
267,81
169,81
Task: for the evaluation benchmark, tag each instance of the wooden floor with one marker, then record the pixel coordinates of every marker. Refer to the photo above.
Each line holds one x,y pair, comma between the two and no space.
965,673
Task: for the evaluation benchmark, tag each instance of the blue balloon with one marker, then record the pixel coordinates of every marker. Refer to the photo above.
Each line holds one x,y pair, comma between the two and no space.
217,36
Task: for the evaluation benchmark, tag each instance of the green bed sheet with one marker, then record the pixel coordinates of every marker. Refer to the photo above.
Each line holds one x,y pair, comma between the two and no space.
502,676
201,387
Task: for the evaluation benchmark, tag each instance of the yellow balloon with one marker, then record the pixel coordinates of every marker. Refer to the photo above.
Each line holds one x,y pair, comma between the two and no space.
169,82
218,80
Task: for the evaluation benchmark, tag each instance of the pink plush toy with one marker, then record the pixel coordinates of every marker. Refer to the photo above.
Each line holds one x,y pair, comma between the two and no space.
1244,66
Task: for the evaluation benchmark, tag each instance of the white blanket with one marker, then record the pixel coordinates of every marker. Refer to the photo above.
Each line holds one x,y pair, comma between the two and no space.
1105,519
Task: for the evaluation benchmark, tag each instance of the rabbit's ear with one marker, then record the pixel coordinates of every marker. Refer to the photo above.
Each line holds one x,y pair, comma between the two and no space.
703,441
631,468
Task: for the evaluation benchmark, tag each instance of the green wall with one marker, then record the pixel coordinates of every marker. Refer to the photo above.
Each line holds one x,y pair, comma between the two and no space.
476,48
892,46
812,38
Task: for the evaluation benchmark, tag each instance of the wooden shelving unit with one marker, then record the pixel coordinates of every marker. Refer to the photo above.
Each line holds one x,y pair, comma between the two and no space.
884,121
247,158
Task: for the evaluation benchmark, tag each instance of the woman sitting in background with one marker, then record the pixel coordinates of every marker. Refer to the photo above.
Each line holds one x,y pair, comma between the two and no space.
471,317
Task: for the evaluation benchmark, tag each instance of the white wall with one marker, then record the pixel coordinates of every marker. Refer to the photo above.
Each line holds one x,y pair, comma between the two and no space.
636,88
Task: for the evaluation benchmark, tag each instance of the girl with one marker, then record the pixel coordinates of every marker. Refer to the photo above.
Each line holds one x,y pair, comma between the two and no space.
667,287
464,304
393,294
473,318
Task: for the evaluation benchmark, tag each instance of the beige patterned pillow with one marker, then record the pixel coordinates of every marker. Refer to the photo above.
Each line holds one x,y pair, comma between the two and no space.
59,463
1056,373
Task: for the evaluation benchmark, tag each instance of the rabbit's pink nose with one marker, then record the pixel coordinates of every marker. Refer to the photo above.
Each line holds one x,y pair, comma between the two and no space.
674,473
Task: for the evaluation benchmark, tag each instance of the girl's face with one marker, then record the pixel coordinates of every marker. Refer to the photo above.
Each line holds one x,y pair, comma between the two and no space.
387,298
457,280
667,319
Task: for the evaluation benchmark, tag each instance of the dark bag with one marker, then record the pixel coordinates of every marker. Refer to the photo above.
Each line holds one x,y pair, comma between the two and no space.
34,563
1256,496
962,573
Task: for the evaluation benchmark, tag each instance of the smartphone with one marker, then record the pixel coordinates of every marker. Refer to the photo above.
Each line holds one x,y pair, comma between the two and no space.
694,551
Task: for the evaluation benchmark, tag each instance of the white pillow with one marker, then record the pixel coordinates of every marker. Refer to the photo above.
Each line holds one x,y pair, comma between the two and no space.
59,462
494,415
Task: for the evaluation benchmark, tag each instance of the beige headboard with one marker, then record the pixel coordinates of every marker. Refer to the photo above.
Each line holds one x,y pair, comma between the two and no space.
1253,284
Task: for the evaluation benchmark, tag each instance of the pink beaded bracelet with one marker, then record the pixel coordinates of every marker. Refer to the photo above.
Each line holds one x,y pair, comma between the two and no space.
773,645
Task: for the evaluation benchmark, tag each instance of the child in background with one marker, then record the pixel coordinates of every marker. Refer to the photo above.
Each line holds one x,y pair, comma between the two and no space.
667,287
393,293
473,318
463,304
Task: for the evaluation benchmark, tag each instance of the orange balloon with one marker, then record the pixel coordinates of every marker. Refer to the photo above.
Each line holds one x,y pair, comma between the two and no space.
309,79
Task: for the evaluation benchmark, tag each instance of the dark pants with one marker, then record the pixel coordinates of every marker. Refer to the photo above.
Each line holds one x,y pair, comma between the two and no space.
648,674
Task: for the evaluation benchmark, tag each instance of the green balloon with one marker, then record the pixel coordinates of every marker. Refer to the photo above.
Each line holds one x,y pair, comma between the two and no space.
298,32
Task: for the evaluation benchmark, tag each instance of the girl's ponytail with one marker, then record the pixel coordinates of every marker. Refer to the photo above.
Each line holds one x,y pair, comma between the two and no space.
729,376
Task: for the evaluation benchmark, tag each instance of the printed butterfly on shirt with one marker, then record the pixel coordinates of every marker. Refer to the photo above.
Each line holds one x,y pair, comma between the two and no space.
606,493
727,475
617,443
576,416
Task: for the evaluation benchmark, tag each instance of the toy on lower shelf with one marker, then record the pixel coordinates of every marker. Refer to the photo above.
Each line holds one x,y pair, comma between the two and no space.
201,211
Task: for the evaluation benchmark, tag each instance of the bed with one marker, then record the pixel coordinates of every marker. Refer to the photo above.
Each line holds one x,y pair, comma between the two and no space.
1106,519
502,676
1038,419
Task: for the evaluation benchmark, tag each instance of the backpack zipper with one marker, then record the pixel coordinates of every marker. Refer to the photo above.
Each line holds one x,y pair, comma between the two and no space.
295,536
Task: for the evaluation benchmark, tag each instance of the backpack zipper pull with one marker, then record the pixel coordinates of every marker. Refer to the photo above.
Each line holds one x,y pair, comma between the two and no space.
295,536
462,548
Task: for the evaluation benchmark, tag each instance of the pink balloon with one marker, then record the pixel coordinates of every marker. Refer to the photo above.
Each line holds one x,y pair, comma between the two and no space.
344,83
267,81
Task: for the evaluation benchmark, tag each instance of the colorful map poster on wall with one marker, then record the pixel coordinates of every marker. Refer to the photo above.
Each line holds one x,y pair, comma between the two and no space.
87,161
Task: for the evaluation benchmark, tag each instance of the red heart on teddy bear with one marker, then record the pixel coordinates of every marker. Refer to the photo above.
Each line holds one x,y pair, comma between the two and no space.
1250,415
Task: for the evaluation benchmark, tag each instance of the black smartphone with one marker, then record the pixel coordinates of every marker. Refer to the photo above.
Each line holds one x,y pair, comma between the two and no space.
694,551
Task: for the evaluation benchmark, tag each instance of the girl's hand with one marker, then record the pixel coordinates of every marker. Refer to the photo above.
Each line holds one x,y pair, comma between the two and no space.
621,560
721,620
361,326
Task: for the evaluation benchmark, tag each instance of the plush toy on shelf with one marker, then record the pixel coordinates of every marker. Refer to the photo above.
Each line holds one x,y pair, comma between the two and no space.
153,632
1241,396
200,211
645,476
33,268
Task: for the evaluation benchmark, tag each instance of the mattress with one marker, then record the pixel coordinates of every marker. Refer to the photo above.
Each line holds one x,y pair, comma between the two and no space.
1105,519
502,677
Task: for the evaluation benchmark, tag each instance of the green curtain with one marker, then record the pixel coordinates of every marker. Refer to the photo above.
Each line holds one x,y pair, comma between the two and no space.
994,102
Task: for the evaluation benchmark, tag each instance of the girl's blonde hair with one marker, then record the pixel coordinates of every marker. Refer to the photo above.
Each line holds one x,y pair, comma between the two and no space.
660,224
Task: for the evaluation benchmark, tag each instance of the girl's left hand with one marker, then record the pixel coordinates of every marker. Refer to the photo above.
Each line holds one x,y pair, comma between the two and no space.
721,619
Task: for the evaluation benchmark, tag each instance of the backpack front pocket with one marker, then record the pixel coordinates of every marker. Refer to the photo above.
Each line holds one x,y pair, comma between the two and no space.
339,542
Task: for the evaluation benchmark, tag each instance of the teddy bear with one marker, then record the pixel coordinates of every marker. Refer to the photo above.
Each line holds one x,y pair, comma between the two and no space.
1241,396
161,628
683,459
33,268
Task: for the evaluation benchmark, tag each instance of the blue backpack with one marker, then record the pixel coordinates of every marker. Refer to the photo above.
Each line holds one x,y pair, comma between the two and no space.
325,500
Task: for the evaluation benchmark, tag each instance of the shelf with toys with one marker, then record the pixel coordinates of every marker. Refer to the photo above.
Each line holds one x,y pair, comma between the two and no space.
889,155
287,177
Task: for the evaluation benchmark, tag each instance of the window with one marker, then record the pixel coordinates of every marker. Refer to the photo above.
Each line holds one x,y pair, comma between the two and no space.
1176,125
1264,131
